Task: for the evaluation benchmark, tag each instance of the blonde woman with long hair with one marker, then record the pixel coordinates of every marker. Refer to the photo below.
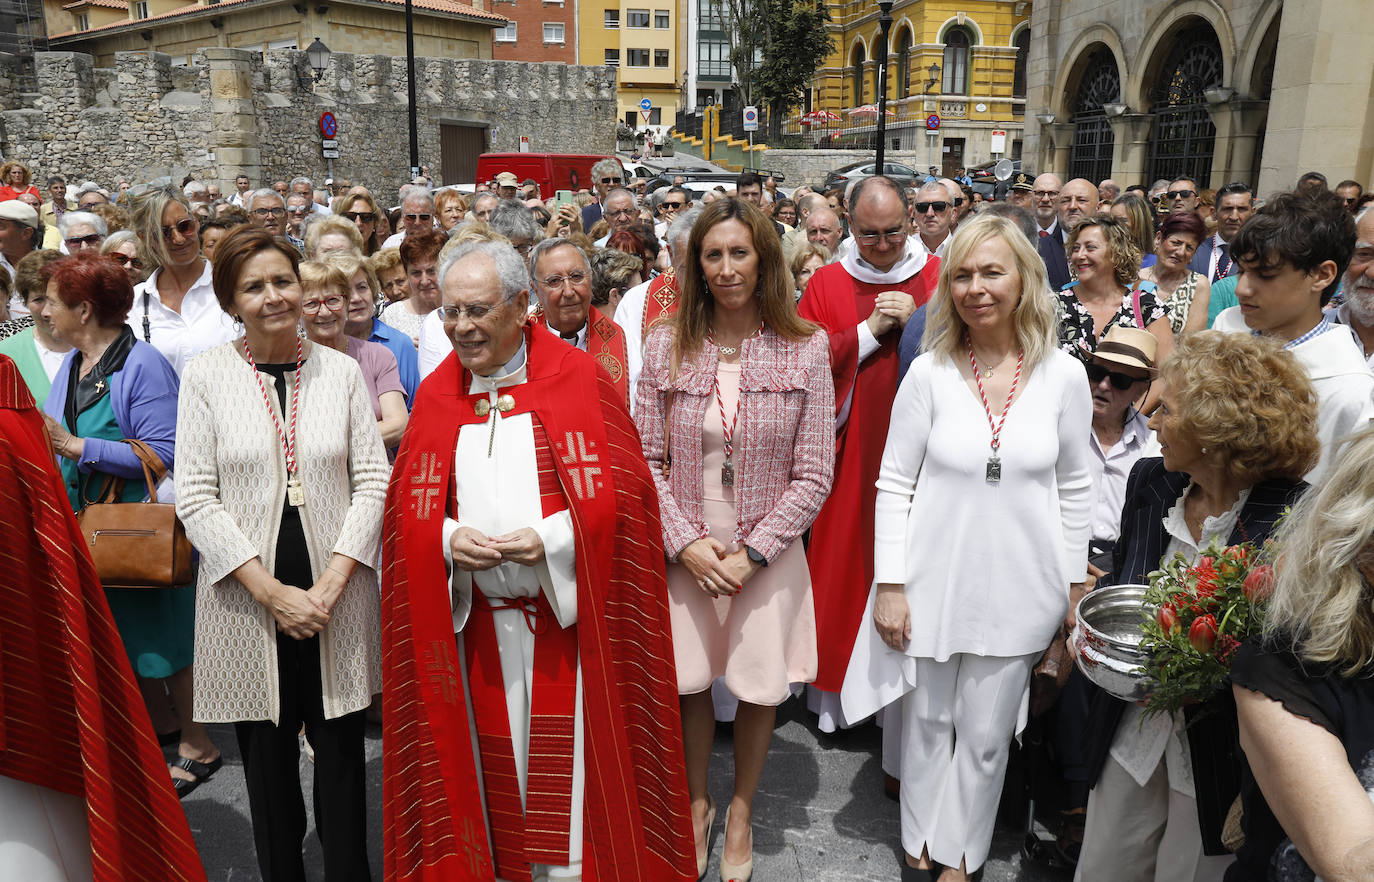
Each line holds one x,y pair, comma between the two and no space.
1305,693
982,523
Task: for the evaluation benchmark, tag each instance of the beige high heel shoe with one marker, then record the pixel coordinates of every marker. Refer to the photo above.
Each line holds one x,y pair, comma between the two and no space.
705,859
736,872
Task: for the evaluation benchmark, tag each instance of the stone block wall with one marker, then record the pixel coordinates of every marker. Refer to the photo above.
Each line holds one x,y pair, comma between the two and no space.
232,111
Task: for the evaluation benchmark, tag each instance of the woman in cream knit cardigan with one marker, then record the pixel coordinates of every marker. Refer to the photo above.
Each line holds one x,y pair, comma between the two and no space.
281,478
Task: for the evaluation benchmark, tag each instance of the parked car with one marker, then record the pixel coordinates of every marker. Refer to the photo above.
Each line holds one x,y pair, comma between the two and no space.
702,174
902,174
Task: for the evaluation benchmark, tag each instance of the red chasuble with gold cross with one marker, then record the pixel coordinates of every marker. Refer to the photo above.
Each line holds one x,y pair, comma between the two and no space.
636,821
606,346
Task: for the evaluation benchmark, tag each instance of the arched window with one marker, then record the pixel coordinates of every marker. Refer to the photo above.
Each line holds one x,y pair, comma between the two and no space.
858,60
957,46
903,63
1183,140
1018,79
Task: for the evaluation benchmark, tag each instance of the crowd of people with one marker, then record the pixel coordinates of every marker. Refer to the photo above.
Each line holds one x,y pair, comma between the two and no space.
548,489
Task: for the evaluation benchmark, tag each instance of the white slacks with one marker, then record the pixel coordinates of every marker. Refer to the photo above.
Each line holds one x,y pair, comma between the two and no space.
1143,834
43,834
957,726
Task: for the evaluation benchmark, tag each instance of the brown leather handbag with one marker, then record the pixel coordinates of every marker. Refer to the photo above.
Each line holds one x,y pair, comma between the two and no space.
137,544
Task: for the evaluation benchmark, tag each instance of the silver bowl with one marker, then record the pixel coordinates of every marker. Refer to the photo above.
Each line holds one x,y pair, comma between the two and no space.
1107,639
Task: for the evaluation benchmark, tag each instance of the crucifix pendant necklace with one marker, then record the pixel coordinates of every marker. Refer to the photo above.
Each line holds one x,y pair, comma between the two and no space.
993,474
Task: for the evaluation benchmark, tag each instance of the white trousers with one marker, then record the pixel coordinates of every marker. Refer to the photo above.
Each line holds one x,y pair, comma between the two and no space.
43,834
957,727
1143,834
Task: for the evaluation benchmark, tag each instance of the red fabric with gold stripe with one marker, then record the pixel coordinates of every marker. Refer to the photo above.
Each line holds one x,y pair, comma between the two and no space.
660,302
636,822
606,346
71,716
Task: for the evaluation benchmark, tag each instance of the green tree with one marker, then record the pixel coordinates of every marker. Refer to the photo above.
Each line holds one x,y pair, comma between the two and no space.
775,48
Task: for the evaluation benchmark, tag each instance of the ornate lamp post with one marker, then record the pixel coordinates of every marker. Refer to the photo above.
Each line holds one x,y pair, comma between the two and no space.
884,24
318,55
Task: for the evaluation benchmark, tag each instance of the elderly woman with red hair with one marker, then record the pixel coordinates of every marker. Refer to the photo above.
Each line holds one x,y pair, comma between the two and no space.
110,387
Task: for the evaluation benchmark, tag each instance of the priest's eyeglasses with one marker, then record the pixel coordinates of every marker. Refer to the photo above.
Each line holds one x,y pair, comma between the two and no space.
474,313
553,283
893,236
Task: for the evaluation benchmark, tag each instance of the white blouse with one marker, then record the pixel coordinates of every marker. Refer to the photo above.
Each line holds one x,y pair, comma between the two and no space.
987,567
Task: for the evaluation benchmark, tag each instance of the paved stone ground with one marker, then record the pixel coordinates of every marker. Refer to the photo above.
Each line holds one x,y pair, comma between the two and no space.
821,815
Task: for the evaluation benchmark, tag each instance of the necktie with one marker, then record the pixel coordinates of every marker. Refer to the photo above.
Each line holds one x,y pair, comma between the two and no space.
1044,234
1223,262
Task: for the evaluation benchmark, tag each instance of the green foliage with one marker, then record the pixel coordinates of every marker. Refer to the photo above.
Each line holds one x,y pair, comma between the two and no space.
775,48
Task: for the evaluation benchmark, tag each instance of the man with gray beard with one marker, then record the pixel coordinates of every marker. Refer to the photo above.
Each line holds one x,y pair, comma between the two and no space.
1357,287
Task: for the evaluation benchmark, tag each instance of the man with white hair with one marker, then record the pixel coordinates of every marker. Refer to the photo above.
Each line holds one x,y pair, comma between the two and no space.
89,195
525,610
1357,288
197,193
304,187
933,212
647,304
620,212
607,175
417,212
267,209
561,280
483,204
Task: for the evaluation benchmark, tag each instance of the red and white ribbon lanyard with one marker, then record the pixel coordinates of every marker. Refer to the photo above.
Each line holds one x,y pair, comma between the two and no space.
295,492
727,471
994,470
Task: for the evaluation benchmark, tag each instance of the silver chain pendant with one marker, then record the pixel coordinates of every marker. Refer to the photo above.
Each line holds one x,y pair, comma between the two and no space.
994,473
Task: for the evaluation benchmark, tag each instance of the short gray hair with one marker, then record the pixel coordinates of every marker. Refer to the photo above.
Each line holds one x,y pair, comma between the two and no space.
410,191
82,217
89,187
194,187
514,220
607,166
485,194
1024,220
510,266
544,248
301,180
118,239
265,193
681,229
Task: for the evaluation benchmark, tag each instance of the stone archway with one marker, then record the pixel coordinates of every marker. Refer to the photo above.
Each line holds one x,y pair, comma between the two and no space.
1099,84
1183,137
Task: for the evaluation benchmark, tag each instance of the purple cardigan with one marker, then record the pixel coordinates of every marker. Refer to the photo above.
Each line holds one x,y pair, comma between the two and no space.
144,397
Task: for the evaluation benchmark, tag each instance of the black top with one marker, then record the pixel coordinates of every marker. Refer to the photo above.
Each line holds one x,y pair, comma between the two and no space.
1343,706
293,557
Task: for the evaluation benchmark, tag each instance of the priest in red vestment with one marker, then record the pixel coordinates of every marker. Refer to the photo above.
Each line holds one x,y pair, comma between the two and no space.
562,280
862,301
84,791
544,742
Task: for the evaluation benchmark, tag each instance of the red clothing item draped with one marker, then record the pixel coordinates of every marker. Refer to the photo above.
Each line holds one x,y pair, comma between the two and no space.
636,821
606,346
660,302
841,552
71,716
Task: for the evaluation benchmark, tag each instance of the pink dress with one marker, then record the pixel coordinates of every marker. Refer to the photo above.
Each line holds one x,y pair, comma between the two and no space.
762,639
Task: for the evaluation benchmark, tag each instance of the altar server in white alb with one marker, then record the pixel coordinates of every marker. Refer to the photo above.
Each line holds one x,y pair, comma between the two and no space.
982,528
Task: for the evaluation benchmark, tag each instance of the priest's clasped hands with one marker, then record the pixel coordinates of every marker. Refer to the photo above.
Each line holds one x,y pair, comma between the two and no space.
474,552
890,312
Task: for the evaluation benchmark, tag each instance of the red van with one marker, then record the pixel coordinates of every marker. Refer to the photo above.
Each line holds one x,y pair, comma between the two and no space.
551,171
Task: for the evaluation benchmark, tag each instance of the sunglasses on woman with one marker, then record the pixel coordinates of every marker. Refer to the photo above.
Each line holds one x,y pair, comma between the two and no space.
184,228
125,260
1096,373
366,217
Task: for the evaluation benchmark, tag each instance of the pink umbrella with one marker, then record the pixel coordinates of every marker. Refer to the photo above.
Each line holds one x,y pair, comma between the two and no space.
868,110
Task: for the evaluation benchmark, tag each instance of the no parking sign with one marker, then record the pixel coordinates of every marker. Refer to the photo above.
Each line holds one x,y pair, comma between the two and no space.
751,118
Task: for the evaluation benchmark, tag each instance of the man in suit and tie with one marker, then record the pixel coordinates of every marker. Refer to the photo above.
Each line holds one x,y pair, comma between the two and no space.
1077,199
1235,204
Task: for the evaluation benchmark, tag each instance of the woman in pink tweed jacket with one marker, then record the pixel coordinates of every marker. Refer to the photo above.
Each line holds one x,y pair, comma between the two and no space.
744,387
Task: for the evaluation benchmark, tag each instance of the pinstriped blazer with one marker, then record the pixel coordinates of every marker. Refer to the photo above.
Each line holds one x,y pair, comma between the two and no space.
1213,739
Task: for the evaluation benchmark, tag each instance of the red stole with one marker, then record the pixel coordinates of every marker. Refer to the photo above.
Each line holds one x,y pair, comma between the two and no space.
840,578
660,303
606,345
71,716
636,821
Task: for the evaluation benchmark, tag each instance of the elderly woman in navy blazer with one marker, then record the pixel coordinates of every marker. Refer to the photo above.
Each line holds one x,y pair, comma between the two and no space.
736,411
1237,429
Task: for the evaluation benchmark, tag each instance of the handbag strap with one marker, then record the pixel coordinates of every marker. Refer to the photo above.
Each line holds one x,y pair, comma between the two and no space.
153,469
1135,304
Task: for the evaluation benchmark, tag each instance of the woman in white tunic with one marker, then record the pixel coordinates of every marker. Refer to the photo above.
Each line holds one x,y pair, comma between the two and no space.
982,526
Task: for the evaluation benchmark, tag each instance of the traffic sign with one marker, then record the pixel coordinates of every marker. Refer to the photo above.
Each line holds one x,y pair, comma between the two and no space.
751,118
646,105
933,122
329,143
329,126
999,141
646,114
330,154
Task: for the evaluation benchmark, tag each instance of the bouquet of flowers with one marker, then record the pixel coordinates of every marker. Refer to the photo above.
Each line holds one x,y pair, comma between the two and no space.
1202,612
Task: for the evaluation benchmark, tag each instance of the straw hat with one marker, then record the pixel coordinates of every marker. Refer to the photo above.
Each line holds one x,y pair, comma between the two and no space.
1129,348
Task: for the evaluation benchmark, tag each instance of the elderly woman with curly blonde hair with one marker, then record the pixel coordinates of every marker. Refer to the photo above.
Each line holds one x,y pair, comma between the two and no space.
1237,430
1305,692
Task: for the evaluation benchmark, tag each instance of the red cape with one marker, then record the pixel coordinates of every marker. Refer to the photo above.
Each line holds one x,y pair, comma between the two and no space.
637,825
606,346
660,302
842,564
71,716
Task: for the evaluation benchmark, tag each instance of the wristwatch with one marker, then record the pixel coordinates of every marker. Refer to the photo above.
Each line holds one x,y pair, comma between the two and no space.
755,556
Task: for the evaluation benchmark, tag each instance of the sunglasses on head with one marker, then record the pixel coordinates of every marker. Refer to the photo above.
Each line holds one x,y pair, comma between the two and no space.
1096,373
923,207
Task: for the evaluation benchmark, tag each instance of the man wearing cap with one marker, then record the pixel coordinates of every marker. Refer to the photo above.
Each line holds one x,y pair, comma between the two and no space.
1020,194
20,233
505,185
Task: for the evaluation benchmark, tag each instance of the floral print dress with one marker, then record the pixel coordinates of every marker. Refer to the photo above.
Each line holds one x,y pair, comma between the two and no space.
1078,335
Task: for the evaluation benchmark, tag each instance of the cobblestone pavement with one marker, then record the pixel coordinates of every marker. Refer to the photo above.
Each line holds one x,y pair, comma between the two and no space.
821,814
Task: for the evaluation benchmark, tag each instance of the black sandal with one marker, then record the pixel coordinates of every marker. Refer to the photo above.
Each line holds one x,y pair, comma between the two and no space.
201,772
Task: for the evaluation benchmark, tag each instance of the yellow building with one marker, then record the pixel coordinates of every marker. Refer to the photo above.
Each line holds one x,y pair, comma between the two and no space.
443,28
640,38
964,60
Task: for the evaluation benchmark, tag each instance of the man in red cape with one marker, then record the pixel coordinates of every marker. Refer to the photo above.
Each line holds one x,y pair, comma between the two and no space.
449,812
862,301
566,309
71,716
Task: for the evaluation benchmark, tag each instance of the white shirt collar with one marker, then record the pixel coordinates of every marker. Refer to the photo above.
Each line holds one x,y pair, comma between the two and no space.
512,373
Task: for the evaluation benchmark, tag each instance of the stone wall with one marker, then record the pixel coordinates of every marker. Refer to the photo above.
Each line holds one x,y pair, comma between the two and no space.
232,111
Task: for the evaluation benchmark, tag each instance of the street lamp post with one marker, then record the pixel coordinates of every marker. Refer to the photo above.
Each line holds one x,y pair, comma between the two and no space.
884,24
410,91
934,72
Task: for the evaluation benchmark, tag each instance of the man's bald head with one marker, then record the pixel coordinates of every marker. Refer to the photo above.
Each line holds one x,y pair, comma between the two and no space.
823,228
1045,198
1077,200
